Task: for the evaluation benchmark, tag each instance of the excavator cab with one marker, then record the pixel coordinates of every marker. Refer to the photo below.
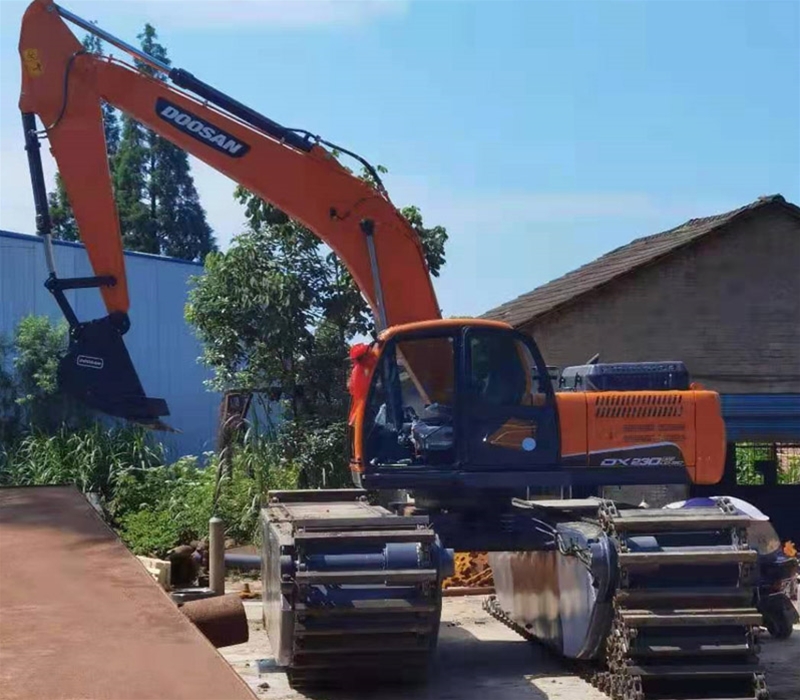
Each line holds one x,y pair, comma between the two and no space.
457,397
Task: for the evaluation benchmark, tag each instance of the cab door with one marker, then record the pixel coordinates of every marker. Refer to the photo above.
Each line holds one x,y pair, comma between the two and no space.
509,418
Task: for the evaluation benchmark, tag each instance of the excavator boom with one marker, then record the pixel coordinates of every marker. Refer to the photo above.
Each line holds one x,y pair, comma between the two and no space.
64,85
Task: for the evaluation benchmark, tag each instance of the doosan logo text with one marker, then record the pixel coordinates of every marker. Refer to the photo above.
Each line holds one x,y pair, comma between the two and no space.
194,126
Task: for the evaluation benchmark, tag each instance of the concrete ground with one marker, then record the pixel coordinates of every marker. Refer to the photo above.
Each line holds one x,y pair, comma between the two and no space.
480,658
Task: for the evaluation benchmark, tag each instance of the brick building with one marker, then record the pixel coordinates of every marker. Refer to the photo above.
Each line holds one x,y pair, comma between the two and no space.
720,293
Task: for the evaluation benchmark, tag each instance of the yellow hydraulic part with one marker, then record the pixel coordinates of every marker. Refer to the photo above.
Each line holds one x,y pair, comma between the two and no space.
472,571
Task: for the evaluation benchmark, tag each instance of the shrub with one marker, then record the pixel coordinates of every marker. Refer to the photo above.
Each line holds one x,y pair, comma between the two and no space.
317,451
149,532
10,412
92,458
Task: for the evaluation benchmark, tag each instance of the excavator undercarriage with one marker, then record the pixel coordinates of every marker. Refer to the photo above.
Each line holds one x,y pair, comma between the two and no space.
651,603
353,592
647,603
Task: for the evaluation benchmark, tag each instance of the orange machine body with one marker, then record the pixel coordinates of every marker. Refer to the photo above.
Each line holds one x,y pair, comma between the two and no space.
597,429
65,86
600,428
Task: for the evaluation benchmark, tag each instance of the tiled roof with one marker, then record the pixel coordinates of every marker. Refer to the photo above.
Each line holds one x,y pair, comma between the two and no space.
621,261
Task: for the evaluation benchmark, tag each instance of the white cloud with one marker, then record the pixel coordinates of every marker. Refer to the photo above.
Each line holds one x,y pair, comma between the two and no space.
225,14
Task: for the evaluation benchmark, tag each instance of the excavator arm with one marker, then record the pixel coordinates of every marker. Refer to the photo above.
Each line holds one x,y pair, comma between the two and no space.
64,85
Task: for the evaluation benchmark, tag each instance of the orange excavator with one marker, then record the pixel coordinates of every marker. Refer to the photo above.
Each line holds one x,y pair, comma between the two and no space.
459,415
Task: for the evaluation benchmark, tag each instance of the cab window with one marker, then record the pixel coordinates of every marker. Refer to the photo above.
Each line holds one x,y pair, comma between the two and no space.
502,371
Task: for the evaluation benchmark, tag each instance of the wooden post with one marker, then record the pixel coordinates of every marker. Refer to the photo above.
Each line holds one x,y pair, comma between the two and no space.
216,556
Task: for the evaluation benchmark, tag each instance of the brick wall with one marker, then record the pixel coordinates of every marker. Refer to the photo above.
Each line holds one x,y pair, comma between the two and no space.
729,307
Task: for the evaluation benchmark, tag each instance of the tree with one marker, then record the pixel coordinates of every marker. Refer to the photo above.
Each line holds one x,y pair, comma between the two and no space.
39,346
278,309
61,214
159,207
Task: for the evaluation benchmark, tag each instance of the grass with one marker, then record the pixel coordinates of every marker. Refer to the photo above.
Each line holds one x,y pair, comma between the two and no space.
153,505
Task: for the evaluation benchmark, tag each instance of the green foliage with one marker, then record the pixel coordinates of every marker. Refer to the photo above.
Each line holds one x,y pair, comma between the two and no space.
790,473
150,532
62,217
130,189
39,344
318,452
153,506
61,214
10,412
748,454
172,504
158,205
252,310
93,458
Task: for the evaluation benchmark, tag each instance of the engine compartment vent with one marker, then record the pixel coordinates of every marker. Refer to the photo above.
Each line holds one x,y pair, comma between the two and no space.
625,376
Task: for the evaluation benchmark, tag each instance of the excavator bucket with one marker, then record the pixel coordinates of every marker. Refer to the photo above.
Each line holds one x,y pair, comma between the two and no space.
98,371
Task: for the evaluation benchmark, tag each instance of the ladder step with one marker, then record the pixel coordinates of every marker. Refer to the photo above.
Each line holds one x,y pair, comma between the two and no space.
692,618
387,576
649,523
688,647
410,535
368,607
419,643
696,672
680,557
647,597
303,663
410,629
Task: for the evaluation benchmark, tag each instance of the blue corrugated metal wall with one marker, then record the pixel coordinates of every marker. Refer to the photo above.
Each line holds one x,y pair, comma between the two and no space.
761,417
161,343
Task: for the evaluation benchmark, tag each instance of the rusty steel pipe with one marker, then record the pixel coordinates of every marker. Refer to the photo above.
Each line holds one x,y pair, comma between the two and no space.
221,619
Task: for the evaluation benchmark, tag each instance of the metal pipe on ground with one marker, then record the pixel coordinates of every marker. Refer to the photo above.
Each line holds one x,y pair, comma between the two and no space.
222,619
245,562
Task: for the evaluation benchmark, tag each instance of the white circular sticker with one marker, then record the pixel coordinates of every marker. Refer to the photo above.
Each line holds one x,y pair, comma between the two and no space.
528,444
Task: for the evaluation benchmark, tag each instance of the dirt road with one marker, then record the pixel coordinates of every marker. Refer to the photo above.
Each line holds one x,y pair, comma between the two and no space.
479,658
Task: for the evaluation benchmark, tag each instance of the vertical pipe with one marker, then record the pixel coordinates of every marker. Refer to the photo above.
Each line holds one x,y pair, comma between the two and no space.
368,229
216,556
43,223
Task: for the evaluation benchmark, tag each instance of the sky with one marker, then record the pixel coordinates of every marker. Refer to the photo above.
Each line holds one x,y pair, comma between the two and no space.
541,134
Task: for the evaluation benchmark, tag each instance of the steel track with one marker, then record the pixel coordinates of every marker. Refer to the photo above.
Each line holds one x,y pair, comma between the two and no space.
673,637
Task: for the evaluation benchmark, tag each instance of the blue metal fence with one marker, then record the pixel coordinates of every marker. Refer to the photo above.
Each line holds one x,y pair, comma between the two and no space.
161,343
761,417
